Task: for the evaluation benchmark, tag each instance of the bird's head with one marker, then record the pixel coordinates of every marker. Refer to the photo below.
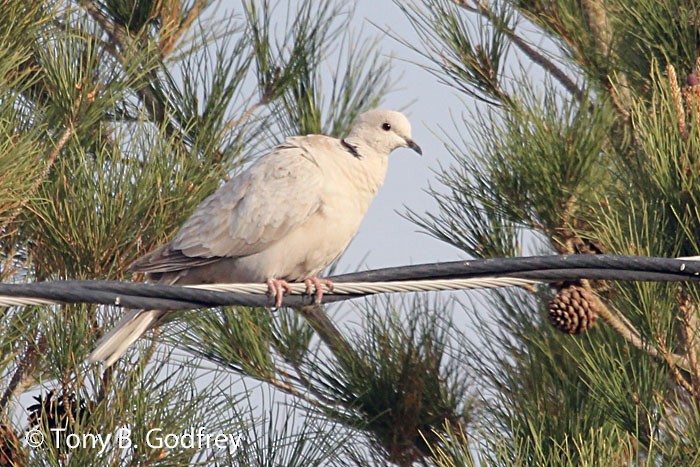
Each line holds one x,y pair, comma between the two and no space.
383,131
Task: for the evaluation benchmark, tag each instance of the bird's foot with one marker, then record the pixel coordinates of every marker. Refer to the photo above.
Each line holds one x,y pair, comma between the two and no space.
316,284
277,288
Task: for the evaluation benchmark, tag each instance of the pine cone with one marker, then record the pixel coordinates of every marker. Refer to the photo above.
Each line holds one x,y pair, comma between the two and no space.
573,310
56,411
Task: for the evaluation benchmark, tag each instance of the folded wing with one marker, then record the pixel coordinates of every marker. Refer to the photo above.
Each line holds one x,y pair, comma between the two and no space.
247,214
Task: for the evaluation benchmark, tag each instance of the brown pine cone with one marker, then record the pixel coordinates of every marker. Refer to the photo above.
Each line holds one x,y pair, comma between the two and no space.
573,310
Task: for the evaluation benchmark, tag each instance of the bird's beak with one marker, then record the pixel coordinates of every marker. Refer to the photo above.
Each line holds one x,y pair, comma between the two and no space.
412,144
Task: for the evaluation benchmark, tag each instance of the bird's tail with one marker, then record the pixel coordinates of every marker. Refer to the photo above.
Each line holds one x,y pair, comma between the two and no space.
115,343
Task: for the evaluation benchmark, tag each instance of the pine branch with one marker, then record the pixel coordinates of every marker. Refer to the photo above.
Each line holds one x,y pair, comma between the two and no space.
122,40
171,37
602,33
243,118
23,372
676,374
49,161
625,329
689,330
557,73
309,386
316,316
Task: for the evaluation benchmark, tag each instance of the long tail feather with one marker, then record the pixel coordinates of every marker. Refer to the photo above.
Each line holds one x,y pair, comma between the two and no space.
129,329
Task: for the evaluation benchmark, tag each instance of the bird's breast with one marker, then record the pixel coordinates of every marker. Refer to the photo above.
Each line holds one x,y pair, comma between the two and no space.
348,188
303,252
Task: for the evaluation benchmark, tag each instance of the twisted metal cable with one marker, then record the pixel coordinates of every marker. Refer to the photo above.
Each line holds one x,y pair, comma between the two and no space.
370,288
488,273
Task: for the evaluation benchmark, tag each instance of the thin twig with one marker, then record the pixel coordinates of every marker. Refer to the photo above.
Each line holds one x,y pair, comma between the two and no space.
624,111
150,352
311,388
22,372
105,383
286,386
292,391
22,387
50,160
602,33
675,373
120,37
117,34
15,381
246,115
529,51
327,331
169,42
67,403
300,379
625,329
689,327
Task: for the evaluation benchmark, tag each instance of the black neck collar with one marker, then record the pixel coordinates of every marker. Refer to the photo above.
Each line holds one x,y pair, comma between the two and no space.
352,149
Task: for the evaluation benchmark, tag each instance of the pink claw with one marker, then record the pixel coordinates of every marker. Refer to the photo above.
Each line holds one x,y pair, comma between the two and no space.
277,288
318,284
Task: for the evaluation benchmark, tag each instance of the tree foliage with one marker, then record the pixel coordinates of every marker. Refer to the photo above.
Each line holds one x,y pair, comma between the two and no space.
582,144
118,117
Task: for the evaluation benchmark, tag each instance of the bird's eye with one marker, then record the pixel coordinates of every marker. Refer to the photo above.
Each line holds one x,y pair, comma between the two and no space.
386,126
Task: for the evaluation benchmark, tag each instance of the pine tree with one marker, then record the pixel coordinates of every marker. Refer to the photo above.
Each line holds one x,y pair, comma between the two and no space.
585,141
118,117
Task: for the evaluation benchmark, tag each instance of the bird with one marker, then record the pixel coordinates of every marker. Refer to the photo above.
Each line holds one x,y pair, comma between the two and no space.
283,219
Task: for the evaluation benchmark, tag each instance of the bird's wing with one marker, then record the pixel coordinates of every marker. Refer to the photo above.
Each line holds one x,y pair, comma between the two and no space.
247,214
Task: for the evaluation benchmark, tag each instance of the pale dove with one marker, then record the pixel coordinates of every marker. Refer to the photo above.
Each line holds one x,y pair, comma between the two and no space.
285,218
